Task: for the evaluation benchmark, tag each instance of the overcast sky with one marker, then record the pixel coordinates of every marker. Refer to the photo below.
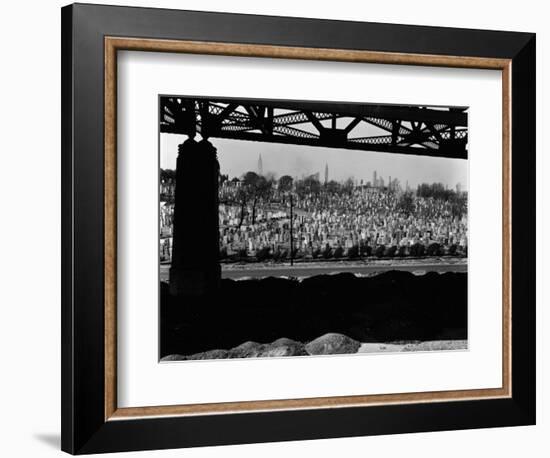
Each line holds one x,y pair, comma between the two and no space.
237,157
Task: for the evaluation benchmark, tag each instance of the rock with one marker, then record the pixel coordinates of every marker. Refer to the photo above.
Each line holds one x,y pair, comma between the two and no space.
284,347
247,345
247,350
284,350
284,341
332,344
280,347
173,358
210,354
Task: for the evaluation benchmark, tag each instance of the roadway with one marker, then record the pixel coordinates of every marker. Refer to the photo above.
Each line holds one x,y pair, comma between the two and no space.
307,271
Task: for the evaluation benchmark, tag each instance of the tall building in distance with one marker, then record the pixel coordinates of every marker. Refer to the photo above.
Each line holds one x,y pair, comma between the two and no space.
326,173
260,165
374,180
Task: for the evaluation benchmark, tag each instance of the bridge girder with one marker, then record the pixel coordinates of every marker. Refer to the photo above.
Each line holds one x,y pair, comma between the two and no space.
417,130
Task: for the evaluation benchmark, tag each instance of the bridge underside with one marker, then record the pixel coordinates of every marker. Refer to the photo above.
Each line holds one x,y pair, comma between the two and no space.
418,130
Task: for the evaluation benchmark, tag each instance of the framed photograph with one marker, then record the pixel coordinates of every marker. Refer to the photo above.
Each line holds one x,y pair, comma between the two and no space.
285,228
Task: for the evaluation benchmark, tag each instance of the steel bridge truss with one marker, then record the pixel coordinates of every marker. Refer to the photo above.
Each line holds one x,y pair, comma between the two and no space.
418,130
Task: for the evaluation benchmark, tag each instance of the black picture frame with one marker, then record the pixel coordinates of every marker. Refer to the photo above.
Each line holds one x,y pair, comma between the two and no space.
84,427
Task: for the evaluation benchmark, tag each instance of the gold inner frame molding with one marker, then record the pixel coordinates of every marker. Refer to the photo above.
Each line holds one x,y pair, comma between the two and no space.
114,44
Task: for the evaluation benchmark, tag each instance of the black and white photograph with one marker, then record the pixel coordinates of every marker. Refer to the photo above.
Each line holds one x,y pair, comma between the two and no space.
304,228
271,229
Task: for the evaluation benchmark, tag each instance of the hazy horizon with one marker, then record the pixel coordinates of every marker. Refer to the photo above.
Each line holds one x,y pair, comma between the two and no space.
238,157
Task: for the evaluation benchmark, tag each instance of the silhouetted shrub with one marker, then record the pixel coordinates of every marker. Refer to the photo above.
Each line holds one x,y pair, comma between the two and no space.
380,250
402,251
277,254
353,252
417,250
327,252
338,252
263,254
365,250
434,249
390,251
453,249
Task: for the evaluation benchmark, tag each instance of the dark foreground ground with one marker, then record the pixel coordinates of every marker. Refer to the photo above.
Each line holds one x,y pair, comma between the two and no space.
391,307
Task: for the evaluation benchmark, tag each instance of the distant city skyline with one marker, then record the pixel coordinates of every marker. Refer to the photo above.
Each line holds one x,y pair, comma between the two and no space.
238,157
